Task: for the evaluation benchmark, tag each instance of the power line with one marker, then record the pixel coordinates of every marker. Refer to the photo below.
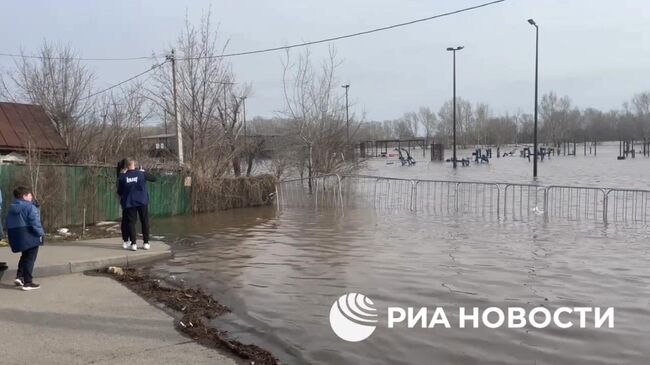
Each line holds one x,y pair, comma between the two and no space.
273,49
14,55
125,81
365,32
266,50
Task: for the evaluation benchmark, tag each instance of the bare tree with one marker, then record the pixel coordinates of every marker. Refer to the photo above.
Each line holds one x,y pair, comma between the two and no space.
428,119
316,113
117,125
207,99
556,117
463,120
641,103
406,126
57,81
479,124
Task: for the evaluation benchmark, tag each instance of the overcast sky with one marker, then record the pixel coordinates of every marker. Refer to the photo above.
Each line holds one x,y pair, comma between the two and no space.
595,51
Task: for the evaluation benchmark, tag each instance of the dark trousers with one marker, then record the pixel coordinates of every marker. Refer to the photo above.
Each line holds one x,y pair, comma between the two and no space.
124,227
131,215
26,264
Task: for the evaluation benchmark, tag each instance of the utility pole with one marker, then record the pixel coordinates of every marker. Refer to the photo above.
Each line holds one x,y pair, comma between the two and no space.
177,115
532,22
454,49
347,115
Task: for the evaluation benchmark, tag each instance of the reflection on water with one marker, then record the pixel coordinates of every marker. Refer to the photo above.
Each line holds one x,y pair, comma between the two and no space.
280,272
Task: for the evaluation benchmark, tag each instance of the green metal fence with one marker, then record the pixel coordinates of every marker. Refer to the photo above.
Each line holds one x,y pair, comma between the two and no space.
70,193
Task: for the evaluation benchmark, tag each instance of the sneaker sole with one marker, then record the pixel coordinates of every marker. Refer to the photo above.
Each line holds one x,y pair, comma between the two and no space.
18,283
26,288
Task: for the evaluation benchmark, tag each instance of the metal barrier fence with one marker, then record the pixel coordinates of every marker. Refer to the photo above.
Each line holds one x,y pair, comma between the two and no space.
501,200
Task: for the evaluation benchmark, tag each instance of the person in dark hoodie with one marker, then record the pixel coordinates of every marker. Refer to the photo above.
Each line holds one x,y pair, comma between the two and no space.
25,233
134,198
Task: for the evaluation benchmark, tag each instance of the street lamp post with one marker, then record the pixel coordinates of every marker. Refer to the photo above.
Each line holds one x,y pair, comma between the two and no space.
454,49
347,115
532,22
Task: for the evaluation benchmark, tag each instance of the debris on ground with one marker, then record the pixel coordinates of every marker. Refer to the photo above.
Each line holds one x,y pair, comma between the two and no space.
106,223
106,230
115,270
64,232
195,308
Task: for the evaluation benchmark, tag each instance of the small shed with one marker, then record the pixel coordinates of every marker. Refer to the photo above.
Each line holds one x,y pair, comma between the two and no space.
27,126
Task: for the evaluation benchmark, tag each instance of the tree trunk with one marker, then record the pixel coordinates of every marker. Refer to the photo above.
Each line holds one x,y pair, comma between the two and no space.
249,167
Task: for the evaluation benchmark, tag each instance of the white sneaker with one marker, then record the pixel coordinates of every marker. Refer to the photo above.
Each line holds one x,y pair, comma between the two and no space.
134,247
126,245
146,246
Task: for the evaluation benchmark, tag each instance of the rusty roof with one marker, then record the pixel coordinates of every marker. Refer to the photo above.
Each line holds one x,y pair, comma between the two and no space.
22,123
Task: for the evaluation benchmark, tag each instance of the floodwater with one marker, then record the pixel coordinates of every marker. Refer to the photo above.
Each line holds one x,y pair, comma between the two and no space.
601,170
280,270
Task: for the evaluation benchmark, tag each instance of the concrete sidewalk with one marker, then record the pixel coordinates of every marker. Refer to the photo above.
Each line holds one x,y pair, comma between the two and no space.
78,319
78,256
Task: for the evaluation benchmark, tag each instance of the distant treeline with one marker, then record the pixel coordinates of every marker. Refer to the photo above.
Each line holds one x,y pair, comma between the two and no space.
558,121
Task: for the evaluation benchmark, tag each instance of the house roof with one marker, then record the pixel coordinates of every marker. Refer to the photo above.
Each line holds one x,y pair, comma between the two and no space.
22,123
159,136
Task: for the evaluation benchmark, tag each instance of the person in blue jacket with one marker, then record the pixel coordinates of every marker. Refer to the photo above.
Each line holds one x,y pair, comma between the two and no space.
25,233
134,198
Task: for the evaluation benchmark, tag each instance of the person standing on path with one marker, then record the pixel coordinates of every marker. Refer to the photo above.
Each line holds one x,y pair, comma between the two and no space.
134,198
25,232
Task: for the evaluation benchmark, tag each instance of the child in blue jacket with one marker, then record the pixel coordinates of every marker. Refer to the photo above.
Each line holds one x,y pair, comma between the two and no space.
25,233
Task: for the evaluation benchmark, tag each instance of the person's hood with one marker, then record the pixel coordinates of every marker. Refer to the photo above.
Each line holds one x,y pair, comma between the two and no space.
18,206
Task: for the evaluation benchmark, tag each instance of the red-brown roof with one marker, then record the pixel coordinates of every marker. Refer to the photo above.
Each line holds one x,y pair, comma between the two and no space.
20,123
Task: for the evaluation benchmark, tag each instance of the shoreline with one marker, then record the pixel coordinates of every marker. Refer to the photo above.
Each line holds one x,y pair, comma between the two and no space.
191,309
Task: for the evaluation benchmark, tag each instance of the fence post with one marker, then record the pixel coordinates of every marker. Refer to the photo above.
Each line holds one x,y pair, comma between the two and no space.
605,204
456,198
414,194
546,190
374,195
505,201
499,201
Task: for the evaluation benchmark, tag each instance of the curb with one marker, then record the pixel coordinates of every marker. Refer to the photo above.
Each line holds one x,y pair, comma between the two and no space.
81,266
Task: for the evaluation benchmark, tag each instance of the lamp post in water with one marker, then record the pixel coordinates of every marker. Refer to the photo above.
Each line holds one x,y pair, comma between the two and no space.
532,22
454,49
347,116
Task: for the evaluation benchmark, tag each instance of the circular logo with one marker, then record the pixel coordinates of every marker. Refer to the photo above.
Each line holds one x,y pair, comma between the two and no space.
353,317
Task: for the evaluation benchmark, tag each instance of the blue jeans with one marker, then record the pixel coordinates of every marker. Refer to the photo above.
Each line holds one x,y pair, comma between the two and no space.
26,264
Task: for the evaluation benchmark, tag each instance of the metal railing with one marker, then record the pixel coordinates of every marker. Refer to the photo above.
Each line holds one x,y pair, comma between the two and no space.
501,200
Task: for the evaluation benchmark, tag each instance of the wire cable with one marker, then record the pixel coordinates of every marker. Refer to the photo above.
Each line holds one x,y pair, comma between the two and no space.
331,39
124,82
273,49
14,55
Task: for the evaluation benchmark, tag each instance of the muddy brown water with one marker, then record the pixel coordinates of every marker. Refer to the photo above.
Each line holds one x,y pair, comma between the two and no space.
281,270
